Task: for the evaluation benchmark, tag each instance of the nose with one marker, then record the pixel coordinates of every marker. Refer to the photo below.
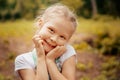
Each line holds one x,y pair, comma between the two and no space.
54,38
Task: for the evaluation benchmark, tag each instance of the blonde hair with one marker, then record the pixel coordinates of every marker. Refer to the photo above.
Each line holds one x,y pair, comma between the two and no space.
58,10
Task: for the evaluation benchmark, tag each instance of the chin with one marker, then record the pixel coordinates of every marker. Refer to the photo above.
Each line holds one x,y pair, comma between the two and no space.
47,50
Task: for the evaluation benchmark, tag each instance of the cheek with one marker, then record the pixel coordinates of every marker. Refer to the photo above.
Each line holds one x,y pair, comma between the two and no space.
61,43
44,34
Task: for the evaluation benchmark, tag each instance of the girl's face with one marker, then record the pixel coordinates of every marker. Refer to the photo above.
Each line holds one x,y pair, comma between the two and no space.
55,32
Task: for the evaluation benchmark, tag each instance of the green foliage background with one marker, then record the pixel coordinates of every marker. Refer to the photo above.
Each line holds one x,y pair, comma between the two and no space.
100,34
14,9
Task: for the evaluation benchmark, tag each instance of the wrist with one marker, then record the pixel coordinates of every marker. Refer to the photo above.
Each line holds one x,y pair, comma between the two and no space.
42,58
48,60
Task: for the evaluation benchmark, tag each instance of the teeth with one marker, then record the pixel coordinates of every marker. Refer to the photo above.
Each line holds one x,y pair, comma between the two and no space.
48,43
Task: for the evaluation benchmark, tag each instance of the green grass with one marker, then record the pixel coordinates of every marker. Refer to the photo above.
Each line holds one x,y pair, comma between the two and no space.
104,32
99,26
25,28
17,29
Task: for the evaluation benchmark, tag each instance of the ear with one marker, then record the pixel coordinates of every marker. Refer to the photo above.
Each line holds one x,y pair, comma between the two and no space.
40,22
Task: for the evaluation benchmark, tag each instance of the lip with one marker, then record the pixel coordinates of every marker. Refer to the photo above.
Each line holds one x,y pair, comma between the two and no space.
51,46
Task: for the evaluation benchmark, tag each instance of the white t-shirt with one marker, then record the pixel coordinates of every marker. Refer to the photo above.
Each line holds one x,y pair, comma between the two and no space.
28,60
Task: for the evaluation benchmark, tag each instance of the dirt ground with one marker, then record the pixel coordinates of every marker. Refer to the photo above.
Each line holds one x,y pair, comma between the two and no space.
9,49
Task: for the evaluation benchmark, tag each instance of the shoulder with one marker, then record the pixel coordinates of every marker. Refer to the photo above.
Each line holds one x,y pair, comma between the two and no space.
70,49
23,57
70,52
24,61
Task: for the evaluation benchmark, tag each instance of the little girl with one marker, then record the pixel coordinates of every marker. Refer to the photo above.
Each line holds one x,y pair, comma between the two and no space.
52,58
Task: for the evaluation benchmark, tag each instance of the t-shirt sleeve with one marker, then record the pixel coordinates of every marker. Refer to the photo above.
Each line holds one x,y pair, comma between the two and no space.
70,52
21,62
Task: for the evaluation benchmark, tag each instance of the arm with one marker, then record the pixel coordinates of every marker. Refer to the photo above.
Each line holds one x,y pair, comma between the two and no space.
41,70
68,68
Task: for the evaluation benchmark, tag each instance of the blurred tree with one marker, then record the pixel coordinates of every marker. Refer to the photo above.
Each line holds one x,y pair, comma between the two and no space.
74,5
113,7
53,1
86,9
94,8
110,7
28,8
3,5
11,9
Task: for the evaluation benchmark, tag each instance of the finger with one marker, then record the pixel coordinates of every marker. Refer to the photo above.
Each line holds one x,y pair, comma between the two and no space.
35,36
56,52
36,42
40,48
39,43
36,39
55,49
61,50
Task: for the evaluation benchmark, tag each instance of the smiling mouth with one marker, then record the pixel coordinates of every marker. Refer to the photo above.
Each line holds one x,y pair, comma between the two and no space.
49,44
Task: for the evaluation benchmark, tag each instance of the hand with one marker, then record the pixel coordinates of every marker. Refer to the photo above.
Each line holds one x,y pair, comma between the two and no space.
38,45
56,52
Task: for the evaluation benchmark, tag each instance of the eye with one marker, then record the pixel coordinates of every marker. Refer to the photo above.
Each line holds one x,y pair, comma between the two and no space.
62,37
51,30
